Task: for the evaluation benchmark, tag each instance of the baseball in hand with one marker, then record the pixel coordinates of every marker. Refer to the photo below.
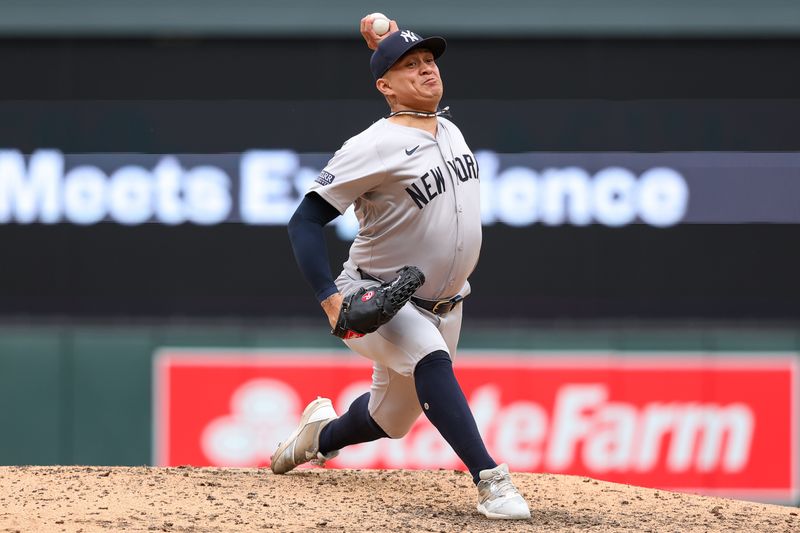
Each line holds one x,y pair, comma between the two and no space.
380,24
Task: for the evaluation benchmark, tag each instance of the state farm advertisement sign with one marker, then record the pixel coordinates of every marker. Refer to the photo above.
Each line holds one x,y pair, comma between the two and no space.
705,422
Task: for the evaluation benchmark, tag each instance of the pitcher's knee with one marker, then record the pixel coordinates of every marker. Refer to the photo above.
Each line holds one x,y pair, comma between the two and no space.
399,434
396,427
432,360
399,430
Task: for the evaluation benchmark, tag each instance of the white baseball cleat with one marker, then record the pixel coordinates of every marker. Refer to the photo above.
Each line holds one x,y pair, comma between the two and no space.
302,445
498,497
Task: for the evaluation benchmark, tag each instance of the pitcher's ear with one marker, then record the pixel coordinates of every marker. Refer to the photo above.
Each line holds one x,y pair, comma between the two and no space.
384,87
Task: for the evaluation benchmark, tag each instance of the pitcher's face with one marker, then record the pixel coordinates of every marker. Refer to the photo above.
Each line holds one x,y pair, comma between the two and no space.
413,82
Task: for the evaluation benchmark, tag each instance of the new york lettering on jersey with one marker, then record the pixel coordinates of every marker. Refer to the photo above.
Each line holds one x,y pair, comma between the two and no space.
433,183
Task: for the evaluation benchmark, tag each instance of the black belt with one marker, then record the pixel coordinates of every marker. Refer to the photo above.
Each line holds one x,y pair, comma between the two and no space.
437,307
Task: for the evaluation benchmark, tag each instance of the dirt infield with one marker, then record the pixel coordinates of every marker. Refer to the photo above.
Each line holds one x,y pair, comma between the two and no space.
210,499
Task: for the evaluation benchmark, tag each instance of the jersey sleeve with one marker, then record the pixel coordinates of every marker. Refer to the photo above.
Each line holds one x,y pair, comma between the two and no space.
352,171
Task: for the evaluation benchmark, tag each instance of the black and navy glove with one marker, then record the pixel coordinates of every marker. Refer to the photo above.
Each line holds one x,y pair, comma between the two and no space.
369,308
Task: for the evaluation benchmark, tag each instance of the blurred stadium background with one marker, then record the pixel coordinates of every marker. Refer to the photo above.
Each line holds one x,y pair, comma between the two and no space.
641,171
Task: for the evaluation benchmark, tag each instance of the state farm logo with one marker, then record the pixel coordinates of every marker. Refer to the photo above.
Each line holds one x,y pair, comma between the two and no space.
703,423
263,411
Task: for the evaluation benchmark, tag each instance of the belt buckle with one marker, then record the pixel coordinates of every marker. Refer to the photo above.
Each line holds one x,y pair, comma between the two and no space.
452,301
436,306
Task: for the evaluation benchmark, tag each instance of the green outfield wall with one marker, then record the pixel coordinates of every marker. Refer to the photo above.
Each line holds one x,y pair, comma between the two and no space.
467,17
81,394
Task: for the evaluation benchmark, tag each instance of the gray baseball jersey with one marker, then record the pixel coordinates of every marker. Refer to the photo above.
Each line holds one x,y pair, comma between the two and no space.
417,200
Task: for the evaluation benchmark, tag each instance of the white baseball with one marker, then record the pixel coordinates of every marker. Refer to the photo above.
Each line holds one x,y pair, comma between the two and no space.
380,24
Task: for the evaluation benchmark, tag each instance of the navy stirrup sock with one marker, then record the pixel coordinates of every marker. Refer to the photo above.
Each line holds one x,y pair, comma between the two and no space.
353,427
444,404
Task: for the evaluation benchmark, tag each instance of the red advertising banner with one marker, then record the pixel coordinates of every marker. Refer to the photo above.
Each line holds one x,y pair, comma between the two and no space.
712,423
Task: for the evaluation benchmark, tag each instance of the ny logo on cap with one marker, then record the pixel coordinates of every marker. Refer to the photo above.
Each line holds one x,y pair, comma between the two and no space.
409,36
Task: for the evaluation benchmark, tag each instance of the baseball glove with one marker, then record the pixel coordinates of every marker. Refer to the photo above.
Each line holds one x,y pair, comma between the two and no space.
369,308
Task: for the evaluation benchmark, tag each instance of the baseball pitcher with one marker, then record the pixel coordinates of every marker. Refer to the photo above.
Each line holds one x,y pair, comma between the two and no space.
414,183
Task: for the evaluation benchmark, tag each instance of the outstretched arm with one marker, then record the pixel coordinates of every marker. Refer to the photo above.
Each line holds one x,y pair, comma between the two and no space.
311,253
370,36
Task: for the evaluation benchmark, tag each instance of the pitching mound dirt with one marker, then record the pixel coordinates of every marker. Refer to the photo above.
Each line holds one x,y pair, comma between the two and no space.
211,499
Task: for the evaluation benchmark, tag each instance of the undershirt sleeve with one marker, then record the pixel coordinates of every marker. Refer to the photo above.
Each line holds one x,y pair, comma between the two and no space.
308,243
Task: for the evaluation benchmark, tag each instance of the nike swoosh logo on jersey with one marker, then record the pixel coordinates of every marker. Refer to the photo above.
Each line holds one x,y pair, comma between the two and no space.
409,152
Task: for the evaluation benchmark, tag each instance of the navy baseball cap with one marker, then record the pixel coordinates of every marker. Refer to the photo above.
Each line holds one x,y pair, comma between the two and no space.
397,44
